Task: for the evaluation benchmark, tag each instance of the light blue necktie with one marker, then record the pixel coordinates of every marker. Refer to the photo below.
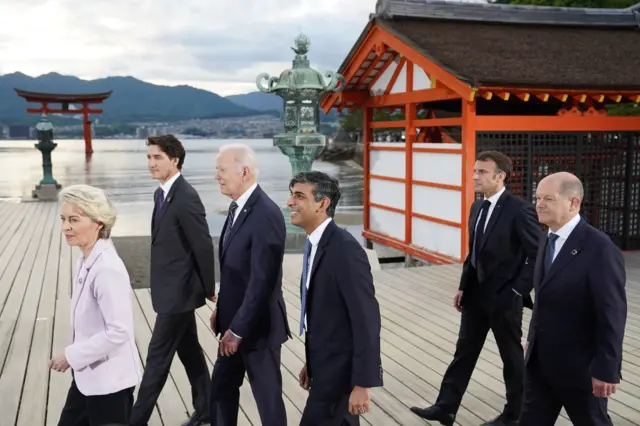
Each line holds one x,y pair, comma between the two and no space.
303,283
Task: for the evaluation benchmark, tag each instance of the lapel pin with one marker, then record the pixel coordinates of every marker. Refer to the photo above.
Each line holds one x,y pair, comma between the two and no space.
574,252
168,199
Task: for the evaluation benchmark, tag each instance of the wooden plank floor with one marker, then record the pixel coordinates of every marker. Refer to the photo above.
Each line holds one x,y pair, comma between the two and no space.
418,337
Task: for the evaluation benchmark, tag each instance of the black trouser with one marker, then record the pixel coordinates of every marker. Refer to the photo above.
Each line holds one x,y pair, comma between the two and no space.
543,402
172,333
322,410
96,410
476,322
263,369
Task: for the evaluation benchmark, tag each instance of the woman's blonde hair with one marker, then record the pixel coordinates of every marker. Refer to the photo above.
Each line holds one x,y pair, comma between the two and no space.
94,203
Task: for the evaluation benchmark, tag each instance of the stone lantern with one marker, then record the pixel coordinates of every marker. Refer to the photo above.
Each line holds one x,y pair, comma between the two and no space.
301,89
47,189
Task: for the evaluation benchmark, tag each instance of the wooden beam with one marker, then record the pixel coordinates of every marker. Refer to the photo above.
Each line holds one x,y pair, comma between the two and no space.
63,111
367,45
417,96
566,123
439,122
433,70
469,129
352,97
390,60
544,97
396,124
410,134
394,76
372,65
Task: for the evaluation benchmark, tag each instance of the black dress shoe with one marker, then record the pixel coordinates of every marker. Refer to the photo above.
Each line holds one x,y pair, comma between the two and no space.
501,420
435,413
197,420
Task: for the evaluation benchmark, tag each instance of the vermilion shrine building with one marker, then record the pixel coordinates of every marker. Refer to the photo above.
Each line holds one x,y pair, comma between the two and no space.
532,82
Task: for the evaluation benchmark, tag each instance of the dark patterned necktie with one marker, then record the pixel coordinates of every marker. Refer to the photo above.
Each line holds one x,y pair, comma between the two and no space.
232,211
159,202
550,250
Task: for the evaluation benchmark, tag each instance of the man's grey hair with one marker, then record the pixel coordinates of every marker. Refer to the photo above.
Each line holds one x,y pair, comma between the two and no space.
244,156
570,186
94,203
324,186
572,189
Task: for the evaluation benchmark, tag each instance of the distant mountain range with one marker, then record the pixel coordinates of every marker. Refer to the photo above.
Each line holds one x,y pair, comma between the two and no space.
135,100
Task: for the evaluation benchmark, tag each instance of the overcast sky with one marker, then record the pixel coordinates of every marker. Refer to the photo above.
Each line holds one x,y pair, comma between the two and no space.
211,44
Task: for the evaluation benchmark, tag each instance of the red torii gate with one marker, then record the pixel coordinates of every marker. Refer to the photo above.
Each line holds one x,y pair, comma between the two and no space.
44,99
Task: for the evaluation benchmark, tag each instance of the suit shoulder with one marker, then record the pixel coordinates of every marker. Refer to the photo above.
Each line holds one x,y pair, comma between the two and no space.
271,209
345,242
520,202
599,239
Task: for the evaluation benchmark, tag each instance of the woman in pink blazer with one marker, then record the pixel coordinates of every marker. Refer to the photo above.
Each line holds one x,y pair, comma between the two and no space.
103,357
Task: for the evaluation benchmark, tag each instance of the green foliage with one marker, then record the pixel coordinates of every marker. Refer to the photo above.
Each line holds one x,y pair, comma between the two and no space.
624,109
352,121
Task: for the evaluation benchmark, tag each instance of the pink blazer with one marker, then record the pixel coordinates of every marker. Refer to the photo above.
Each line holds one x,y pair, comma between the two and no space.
103,354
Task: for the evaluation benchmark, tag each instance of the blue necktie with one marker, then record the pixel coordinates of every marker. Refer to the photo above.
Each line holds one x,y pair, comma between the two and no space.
303,283
548,255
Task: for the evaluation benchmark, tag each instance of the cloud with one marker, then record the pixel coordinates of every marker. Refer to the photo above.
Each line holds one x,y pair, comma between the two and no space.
217,45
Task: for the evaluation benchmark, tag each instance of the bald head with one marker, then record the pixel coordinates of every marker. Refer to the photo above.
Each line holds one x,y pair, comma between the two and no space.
558,199
236,169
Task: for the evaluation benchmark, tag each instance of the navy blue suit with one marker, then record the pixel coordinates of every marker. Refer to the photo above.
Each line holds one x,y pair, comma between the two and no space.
576,330
250,304
342,340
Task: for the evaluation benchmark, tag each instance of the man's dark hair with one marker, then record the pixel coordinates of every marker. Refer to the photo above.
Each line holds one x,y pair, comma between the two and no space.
503,163
324,186
170,145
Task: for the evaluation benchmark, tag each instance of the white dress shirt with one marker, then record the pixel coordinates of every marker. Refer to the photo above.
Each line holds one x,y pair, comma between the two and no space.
314,239
493,200
563,234
242,200
166,187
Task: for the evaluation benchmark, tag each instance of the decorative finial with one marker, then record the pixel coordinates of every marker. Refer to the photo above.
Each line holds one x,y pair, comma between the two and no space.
302,44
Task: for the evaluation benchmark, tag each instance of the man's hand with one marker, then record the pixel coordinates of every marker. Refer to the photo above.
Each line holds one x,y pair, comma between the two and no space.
456,301
212,298
360,400
229,344
212,322
303,378
59,363
602,389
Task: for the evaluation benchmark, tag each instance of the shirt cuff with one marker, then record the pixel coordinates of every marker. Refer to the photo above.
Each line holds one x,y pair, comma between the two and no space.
235,334
514,290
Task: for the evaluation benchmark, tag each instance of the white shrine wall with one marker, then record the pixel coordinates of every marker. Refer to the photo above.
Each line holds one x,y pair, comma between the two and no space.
436,210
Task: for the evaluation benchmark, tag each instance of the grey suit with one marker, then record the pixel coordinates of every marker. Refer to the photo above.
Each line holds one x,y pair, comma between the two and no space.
182,275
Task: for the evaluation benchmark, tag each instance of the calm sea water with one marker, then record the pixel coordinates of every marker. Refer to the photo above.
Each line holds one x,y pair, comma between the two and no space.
120,168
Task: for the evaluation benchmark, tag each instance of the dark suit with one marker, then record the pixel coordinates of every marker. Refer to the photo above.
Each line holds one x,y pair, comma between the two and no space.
342,340
576,329
182,275
250,304
505,261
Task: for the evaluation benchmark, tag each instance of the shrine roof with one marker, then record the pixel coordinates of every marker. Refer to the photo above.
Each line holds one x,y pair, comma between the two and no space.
62,97
497,45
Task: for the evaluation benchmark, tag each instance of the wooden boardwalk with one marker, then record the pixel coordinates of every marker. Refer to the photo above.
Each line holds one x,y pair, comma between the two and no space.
419,333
